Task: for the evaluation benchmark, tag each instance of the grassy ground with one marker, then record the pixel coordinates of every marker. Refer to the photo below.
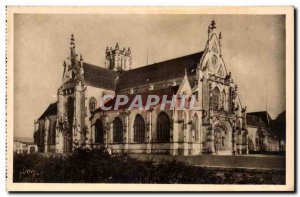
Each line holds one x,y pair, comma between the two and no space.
97,166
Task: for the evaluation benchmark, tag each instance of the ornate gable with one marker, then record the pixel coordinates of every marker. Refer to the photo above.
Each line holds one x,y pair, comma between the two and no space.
212,59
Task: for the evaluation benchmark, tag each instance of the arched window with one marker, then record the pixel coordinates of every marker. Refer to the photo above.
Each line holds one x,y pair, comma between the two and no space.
260,140
139,129
99,132
70,111
216,99
163,128
92,104
196,127
53,134
223,99
244,138
117,130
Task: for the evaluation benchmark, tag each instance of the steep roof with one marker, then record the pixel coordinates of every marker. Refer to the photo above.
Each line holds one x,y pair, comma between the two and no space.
99,77
258,119
51,110
166,70
169,91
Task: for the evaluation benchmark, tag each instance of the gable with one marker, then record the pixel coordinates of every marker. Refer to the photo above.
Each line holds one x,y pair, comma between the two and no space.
212,58
185,87
51,110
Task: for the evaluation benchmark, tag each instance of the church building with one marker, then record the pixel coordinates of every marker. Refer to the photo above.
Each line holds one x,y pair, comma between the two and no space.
216,126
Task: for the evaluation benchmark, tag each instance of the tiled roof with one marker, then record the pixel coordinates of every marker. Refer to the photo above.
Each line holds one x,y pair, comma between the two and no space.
169,91
166,70
259,119
99,77
51,110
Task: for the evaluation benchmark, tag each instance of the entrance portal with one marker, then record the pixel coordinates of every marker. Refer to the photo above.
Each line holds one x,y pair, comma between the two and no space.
222,139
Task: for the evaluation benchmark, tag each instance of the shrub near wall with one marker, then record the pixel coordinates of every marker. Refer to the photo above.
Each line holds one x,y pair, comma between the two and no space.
96,166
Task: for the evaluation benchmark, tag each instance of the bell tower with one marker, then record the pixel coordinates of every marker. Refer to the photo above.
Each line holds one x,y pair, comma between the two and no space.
71,95
118,59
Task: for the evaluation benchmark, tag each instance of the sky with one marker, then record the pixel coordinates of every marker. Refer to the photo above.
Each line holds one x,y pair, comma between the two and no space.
253,50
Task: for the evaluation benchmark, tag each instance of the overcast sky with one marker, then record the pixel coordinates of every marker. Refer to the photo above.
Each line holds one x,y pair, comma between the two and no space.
253,50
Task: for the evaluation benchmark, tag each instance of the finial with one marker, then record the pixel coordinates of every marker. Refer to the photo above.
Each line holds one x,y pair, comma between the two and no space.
117,46
81,57
220,40
64,65
107,49
213,25
129,51
72,40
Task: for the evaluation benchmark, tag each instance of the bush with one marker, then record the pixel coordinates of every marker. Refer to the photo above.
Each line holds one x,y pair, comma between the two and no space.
97,166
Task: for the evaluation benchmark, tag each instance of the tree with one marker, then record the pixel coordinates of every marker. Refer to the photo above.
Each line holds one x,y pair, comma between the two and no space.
279,126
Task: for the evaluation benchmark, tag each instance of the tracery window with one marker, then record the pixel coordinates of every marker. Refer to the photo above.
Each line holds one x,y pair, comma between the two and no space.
163,128
99,132
216,99
92,104
53,133
117,130
139,129
223,99
196,127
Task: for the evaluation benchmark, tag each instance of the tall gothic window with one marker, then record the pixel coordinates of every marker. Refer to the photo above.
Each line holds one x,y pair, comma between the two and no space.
223,99
260,140
139,129
99,132
117,130
70,110
53,134
244,138
92,104
216,99
196,127
163,128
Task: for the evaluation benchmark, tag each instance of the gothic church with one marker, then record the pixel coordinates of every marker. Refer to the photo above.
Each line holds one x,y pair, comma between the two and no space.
218,126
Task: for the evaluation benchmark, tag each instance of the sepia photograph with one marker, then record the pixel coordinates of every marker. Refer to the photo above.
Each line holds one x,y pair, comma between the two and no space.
132,99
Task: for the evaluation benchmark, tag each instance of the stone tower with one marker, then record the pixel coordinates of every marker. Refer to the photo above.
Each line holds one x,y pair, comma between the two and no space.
71,96
118,59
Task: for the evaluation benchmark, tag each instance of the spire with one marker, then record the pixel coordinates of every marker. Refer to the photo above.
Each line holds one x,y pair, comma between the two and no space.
107,49
81,59
64,65
213,25
72,41
129,51
211,28
117,46
185,72
72,48
220,39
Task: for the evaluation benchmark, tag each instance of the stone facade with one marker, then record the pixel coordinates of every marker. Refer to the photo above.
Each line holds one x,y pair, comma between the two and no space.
217,126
